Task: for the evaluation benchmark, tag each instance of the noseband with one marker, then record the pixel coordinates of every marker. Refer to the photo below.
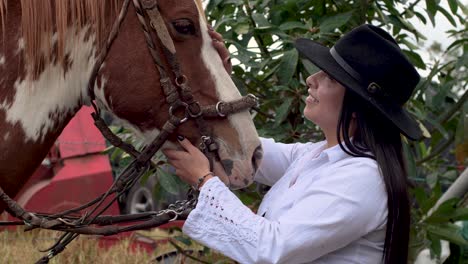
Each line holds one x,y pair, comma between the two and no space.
178,93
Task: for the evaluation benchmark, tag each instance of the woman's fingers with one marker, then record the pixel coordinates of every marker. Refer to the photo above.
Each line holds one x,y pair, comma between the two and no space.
224,54
187,145
227,65
218,44
215,35
174,154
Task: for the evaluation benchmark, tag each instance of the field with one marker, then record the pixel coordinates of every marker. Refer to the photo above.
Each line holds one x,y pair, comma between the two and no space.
17,247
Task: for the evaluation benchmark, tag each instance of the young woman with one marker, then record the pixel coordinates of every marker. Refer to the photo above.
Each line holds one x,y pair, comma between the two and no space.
342,200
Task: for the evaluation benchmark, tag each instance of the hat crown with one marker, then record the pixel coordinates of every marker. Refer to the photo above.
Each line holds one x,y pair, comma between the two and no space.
378,60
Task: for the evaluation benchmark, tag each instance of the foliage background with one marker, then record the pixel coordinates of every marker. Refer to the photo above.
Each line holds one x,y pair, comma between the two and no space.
261,35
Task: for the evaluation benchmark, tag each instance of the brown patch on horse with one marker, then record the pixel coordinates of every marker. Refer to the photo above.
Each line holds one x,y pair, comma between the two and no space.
17,162
13,62
3,10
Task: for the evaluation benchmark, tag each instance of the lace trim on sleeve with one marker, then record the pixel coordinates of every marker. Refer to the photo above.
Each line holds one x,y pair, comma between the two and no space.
221,216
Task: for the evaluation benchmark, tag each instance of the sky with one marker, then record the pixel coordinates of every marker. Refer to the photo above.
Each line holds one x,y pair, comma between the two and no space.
438,33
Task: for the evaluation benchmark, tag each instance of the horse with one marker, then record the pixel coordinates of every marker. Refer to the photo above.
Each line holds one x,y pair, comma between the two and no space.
48,49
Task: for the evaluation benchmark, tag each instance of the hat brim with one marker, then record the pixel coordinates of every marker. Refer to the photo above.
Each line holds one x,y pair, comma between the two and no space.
321,57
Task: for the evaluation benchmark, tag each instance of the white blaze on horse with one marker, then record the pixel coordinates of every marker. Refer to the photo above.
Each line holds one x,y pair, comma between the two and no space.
47,51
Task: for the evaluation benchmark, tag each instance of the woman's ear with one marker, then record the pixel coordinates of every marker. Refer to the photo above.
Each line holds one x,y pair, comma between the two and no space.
353,115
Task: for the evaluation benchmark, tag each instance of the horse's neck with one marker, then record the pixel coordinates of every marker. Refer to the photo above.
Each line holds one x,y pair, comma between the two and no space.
35,109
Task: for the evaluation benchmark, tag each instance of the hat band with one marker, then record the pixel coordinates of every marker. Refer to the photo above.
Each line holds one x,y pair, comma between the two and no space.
346,66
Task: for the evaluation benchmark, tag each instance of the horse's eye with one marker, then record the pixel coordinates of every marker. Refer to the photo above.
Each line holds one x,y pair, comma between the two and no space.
184,26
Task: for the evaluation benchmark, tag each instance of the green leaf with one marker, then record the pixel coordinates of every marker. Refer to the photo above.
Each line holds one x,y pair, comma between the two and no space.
420,195
309,66
453,6
268,73
260,20
429,202
457,43
336,21
421,17
410,162
415,59
431,179
435,245
213,3
116,154
292,25
242,28
426,82
444,212
447,15
449,232
167,181
448,212
431,6
283,111
288,66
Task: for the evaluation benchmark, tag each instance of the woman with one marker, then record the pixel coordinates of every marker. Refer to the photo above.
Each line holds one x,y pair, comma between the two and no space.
343,200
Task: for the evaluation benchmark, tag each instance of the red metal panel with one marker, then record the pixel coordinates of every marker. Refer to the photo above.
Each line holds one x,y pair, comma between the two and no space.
81,137
79,181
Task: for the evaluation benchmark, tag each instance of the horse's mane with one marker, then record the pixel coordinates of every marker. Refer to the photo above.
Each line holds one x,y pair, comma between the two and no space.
199,4
41,18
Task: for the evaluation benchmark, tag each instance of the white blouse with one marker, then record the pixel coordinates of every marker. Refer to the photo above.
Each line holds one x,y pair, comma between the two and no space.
324,207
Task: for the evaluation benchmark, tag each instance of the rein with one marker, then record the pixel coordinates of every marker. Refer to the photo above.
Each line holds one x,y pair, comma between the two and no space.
180,99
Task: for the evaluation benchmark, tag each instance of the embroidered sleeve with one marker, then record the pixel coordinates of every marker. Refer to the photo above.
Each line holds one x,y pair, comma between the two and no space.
277,157
221,222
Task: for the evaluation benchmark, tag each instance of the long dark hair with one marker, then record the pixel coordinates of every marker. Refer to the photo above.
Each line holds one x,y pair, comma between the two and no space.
374,134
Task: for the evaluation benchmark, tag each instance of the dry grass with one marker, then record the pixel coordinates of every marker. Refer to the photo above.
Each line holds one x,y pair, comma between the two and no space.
17,247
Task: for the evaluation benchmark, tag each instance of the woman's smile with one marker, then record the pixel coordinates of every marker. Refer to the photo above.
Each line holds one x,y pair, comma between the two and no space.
311,99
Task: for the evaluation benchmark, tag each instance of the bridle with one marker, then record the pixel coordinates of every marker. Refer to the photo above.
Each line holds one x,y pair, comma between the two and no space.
178,93
180,99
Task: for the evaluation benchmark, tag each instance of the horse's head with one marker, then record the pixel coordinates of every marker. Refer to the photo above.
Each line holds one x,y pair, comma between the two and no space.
129,86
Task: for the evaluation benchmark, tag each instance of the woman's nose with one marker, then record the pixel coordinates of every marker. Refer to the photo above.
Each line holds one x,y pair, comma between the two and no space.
311,81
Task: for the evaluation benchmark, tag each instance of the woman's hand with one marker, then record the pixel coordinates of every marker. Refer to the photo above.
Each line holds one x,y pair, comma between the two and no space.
218,44
190,164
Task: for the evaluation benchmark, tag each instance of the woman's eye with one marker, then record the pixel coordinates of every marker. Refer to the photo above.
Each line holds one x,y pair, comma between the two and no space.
184,26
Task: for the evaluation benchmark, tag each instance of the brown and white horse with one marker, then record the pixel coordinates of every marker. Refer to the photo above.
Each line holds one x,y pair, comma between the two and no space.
47,51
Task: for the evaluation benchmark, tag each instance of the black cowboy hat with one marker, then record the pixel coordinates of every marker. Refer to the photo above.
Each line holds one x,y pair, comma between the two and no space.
368,61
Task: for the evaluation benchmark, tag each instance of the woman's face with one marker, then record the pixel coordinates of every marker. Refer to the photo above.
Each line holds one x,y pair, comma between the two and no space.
323,105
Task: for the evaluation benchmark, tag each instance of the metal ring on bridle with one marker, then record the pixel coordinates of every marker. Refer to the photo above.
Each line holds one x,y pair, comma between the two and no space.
181,80
218,104
198,114
178,105
255,98
148,4
176,215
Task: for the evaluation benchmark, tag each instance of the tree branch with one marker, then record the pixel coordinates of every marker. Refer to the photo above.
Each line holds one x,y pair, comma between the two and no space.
437,152
446,117
410,7
258,39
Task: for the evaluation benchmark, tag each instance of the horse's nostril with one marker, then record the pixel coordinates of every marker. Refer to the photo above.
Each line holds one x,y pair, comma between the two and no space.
256,157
